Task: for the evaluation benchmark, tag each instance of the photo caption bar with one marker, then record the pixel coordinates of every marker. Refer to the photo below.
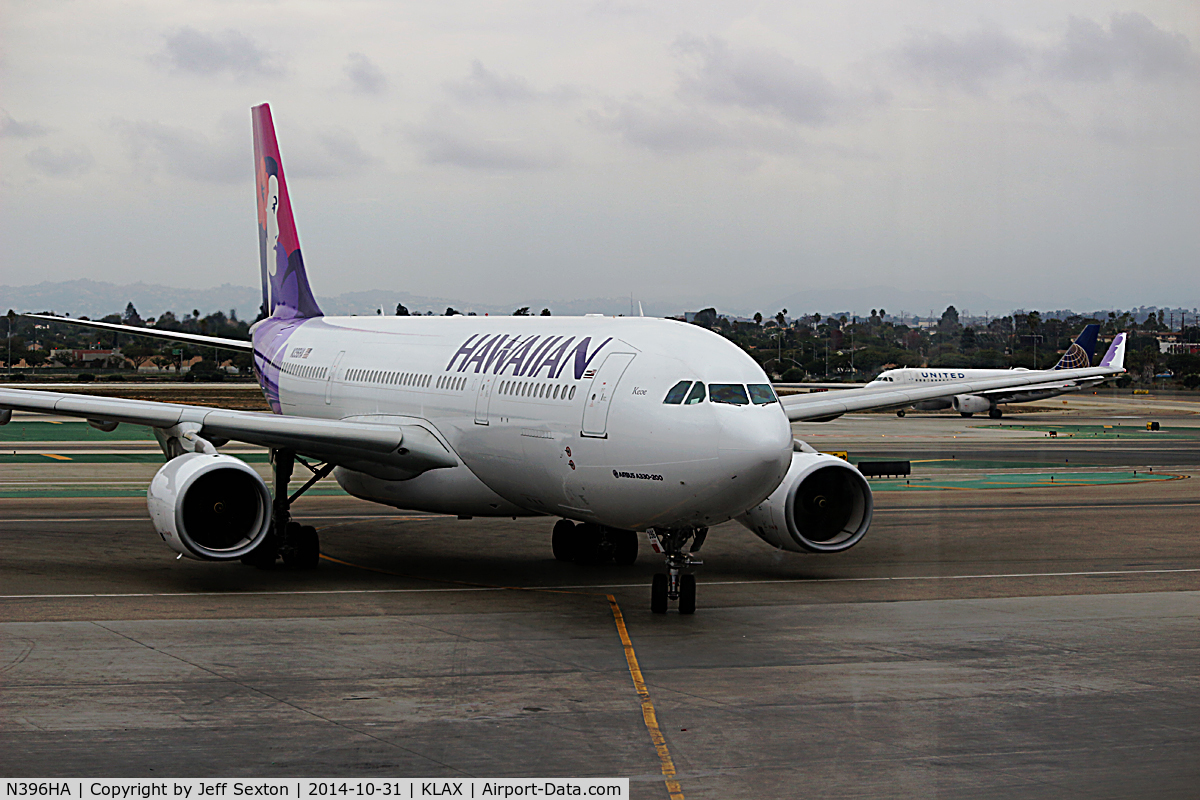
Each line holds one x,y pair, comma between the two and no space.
305,788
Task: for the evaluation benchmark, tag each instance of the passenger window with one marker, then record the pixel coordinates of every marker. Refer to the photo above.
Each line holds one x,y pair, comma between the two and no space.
677,393
761,394
696,396
730,393
572,397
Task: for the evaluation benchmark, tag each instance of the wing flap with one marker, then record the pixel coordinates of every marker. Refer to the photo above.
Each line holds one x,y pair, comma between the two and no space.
391,448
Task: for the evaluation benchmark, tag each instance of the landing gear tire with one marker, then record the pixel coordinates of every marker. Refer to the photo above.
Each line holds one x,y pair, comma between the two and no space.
564,540
967,414
687,594
900,413
995,413
625,547
589,543
302,548
298,545
658,594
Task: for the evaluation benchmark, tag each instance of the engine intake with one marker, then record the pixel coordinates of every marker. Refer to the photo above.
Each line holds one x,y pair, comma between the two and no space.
209,506
823,505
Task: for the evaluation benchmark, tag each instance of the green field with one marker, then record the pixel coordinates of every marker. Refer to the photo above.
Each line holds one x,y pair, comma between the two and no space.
70,432
1114,431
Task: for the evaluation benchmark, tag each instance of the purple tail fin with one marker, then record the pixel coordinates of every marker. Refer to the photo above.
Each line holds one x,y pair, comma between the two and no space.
286,294
1115,357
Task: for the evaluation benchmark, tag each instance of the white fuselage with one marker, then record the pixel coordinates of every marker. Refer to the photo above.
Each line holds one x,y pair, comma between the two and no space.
562,415
924,376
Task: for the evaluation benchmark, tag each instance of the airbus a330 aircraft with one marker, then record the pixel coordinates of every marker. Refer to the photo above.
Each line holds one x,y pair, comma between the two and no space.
1079,354
615,425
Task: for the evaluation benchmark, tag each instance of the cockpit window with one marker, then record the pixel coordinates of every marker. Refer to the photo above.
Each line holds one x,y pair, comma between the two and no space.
762,394
677,393
732,393
697,395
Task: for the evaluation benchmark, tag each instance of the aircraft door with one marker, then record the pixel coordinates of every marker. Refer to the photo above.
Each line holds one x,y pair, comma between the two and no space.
599,397
483,400
332,376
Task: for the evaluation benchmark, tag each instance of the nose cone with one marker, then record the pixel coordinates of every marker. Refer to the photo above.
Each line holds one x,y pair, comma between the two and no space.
755,451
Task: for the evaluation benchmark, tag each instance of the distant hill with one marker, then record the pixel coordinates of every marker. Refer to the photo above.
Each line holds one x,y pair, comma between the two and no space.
98,298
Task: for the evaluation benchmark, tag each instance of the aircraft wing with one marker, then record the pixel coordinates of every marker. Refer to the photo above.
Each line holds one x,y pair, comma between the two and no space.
386,447
831,405
244,346
999,395
830,385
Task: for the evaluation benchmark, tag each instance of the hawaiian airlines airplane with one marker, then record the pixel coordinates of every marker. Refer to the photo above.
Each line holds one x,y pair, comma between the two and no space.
614,425
1079,354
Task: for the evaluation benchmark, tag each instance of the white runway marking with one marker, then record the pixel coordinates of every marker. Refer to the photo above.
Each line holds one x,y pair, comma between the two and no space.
604,586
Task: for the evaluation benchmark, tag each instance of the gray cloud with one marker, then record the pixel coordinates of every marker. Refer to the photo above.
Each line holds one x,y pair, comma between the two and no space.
1038,101
185,153
762,80
329,154
966,61
455,144
364,76
1132,44
65,163
485,86
682,130
190,50
11,128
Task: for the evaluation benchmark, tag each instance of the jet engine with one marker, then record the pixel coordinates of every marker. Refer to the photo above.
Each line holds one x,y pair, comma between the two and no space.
971,404
209,506
824,505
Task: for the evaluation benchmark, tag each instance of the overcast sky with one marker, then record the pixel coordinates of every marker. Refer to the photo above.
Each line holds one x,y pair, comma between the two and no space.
699,151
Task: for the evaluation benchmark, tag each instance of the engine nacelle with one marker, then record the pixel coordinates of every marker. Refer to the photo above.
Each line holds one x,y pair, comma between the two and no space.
824,505
209,506
971,404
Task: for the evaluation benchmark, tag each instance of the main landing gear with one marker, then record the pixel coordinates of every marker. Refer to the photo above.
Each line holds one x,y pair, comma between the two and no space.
675,583
298,545
995,413
589,543
900,413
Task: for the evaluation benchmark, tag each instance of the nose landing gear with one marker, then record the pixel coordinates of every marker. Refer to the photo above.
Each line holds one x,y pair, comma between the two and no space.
675,583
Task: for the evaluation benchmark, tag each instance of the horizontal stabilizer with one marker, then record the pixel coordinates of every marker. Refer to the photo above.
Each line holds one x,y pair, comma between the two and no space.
239,345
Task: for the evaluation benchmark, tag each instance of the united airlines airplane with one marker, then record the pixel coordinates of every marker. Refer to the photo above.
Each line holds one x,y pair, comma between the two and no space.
615,425
1079,354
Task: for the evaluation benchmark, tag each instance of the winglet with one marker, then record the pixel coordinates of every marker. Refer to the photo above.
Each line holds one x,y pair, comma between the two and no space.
1115,357
286,293
1081,351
